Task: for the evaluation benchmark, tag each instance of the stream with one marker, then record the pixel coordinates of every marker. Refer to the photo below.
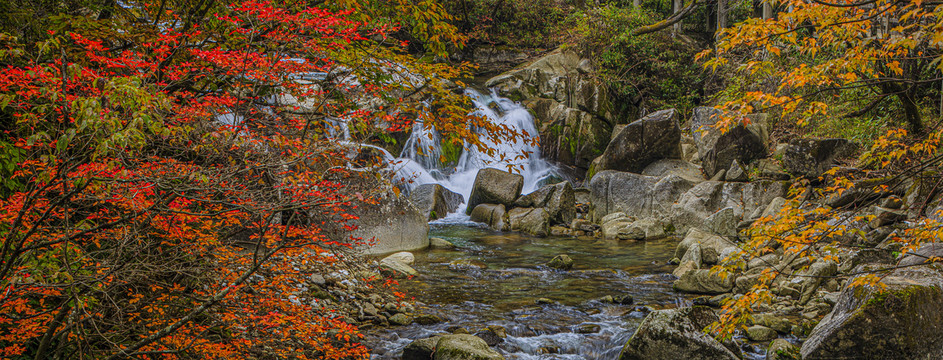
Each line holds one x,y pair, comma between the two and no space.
495,278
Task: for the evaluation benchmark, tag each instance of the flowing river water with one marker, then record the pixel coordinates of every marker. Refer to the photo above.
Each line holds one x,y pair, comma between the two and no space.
500,279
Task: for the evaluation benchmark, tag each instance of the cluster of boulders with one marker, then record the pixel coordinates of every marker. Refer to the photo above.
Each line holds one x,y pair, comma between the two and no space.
496,200
811,299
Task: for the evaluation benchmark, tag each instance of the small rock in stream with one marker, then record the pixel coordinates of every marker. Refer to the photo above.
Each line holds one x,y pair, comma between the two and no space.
562,262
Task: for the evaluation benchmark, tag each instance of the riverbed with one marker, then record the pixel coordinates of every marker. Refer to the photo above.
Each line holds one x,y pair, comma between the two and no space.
500,279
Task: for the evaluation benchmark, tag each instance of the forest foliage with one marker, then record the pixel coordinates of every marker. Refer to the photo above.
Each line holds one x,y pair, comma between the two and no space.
173,170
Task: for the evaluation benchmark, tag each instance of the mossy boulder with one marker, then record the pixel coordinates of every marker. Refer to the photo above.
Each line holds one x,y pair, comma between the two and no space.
904,321
677,334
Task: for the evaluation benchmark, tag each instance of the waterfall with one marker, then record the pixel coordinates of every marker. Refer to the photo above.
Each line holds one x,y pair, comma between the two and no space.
419,162
424,148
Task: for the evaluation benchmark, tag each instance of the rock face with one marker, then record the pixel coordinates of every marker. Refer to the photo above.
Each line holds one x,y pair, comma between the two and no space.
812,157
435,201
494,186
904,322
695,206
654,137
677,334
558,200
743,142
394,224
637,195
574,112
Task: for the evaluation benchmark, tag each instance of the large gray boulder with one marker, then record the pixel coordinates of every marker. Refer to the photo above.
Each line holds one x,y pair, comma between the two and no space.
696,205
811,157
635,195
493,186
744,142
450,347
435,201
637,145
558,200
677,334
905,321
393,224
464,347
535,221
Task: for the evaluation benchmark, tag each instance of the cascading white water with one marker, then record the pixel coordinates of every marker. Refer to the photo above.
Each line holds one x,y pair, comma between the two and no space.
424,147
419,162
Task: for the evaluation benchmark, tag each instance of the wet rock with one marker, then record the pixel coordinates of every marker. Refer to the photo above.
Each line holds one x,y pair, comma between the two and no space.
588,329
467,264
718,149
396,268
561,262
400,319
677,334
558,200
702,281
439,243
583,225
404,257
451,347
535,221
760,333
494,186
640,143
782,349
421,349
427,319
811,157
492,335
491,214
435,201
903,322
575,109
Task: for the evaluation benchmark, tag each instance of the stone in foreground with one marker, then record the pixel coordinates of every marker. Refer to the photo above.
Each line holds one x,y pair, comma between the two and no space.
450,347
677,334
904,322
